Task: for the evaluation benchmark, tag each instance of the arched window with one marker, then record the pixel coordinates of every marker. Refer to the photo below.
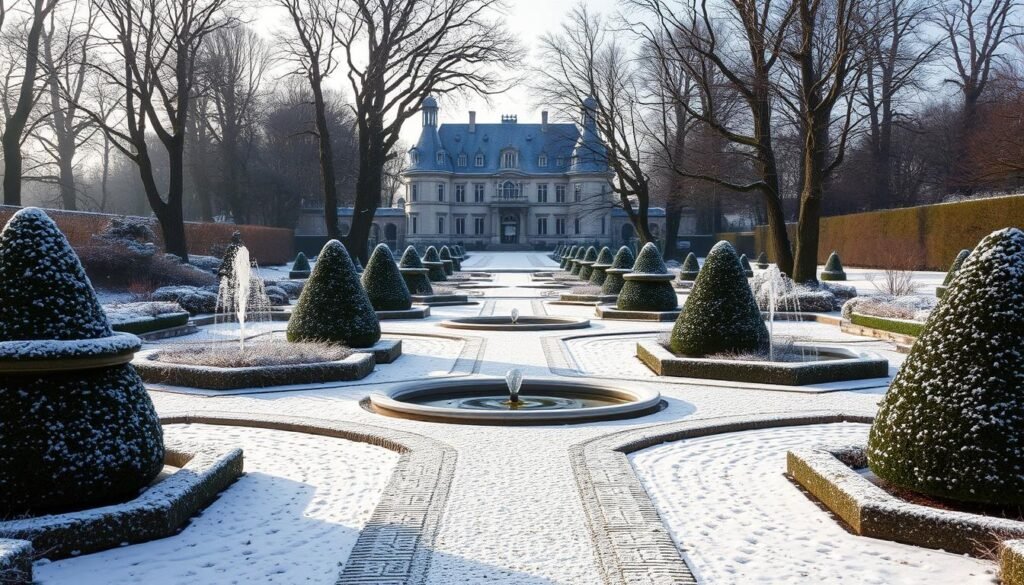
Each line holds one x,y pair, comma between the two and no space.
509,159
509,190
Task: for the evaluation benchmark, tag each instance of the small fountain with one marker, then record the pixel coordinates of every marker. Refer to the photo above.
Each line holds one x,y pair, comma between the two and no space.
514,379
243,283
241,296
515,317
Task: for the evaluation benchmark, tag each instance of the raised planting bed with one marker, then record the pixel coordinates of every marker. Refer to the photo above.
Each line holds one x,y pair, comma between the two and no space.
581,299
902,327
828,365
410,313
505,323
384,351
153,370
608,312
833,476
162,510
148,324
442,300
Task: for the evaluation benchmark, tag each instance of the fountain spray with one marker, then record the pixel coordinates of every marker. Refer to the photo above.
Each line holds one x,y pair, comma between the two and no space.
514,380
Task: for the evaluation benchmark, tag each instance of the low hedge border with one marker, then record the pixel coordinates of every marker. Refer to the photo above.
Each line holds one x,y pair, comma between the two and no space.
151,324
1011,562
830,475
160,511
587,299
665,363
442,300
613,313
898,326
355,367
413,313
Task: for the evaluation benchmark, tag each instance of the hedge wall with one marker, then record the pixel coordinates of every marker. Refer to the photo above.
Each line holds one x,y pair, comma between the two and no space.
900,326
926,237
267,245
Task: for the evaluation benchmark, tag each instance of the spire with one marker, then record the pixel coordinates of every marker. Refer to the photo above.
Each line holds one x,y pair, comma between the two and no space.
589,154
430,111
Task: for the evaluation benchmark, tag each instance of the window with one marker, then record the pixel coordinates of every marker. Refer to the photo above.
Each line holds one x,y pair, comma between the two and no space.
478,226
577,192
542,226
559,161
559,226
478,192
415,224
415,193
460,193
440,158
440,224
542,161
576,226
462,160
509,190
414,157
542,193
460,226
509,159
479,160
559,193
440,192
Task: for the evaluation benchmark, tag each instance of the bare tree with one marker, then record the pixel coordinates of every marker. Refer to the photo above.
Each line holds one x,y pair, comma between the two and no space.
16,120
398,52
156,44
393,169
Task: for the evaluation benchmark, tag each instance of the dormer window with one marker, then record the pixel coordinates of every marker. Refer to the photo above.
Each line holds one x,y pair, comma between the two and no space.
479,160
462,160
440,158
414,157
542,161
559,161
509,159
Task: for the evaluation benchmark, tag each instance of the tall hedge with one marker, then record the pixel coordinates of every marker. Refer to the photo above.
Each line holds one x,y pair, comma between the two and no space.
333,306
720,314
952,423
418,284
383,282
613,280
642,295
68,438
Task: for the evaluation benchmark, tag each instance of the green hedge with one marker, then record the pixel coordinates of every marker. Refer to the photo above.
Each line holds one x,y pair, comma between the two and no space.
149,324
900,326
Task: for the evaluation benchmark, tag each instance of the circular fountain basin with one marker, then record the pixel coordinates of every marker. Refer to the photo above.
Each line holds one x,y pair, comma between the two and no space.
541,400
504,323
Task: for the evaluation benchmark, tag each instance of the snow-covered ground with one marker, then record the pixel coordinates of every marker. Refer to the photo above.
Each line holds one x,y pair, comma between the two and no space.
738,519
292,518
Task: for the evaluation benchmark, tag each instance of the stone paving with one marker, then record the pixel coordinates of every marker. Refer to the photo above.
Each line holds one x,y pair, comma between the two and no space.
517,510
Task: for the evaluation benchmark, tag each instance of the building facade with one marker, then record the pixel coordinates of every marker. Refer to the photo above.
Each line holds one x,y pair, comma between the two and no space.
508,185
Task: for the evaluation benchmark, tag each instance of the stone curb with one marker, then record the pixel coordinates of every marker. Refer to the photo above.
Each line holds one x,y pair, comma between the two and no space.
395,546
613,313
632,544
356,366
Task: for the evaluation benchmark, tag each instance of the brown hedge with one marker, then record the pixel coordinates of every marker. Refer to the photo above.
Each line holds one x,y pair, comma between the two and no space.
267,245
927,237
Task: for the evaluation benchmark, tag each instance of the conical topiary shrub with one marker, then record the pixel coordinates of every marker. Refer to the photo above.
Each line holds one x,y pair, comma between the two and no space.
762,261
940,291
227,262
414,273
300,268
566,257
833,268
597,269
383,282
432,261
720,316
447,256
747,270
69,438
690,268
622,264
333,306
952,423
574,264
589,257
649,286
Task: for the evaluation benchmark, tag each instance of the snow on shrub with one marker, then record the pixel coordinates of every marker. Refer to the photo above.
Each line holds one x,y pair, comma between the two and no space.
333,306
196,300
432,260
585,269
569,255
300,267
747,270
446,254
418,284
227,263
940,290
648,295
952,423
597,269
690,268
383,282
833,268
68,438
622,264
720,315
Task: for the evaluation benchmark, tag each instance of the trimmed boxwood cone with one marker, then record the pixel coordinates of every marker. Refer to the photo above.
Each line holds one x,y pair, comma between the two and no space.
564,264
721,314
446,254
940,291
597,269
383,282
432,260
69,439
227,262
575,262
300,268
333,306
588,260
690,268
833,268
648,294
622,264
414,273
952,423
762,261
747,270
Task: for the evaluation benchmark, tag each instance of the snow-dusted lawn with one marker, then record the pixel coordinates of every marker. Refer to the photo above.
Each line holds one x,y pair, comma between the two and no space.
739,520
292,518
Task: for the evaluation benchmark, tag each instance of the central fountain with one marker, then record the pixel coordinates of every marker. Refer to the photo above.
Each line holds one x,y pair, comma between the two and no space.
514,400
513,322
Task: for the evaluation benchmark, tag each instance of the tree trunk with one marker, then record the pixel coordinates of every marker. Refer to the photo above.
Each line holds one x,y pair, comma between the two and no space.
673,217
327,178
779,248
372,158
815,150
12,166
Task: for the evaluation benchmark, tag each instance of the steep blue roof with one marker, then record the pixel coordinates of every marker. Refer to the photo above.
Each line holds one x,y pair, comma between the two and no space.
491,140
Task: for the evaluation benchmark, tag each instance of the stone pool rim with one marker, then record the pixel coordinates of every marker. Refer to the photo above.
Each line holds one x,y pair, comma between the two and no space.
525,323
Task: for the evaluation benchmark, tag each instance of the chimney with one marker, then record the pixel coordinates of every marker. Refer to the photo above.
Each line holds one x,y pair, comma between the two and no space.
472,122
544,121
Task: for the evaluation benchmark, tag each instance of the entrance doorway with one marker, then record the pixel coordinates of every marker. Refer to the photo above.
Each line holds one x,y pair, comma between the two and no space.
510,229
